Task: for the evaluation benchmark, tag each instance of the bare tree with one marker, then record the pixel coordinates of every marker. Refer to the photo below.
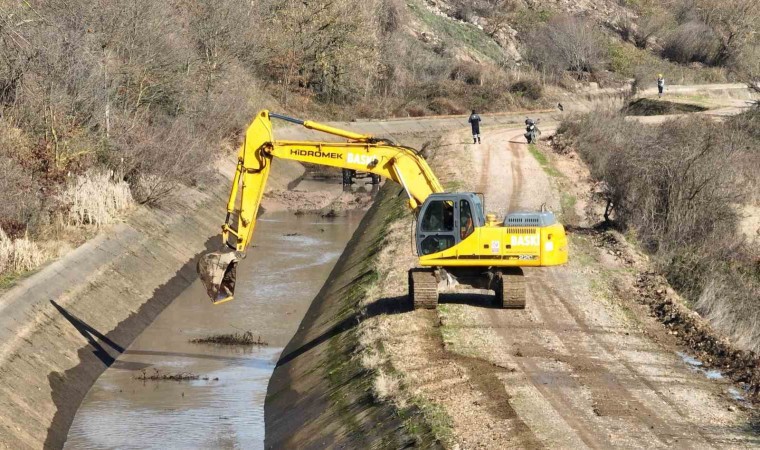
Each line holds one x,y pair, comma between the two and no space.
329,47
736,22
566,43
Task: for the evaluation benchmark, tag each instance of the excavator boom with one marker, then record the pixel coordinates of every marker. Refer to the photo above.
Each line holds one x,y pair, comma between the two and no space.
361,152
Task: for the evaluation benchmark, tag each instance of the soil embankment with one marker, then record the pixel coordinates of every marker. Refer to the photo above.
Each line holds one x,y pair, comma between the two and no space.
321,397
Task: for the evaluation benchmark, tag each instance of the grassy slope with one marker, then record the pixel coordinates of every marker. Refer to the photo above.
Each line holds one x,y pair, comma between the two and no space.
466,35
320,386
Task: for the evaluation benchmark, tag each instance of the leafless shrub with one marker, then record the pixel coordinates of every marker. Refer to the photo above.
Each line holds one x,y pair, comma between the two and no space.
729,301
499,14
650,25
415,111
444,106
463,10
566,43
528,87
468,73
157,159
735,23
692,42
677,186
307,45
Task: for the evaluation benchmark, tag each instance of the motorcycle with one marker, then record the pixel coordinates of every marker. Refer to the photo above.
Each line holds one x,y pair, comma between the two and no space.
531,130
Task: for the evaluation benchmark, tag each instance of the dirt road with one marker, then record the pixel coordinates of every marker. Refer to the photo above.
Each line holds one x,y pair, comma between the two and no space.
581,367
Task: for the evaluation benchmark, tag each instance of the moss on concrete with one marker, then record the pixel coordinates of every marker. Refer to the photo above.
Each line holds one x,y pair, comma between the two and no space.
320,395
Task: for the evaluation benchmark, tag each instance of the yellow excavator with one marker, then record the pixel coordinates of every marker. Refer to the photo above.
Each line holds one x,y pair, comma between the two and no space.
457,243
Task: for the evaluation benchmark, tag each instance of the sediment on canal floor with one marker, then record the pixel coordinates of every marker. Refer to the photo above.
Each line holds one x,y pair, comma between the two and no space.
319,395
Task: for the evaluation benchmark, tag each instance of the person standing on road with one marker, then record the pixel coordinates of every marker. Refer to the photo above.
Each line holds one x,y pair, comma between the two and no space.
475,124
660,85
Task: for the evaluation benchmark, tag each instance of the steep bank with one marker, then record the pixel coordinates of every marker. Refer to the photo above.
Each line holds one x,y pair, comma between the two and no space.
320,395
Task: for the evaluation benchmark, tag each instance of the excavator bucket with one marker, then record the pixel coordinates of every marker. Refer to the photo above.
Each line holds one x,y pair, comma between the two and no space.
218,271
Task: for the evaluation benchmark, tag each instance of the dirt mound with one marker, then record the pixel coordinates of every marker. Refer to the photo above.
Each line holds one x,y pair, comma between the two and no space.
693,331
651,107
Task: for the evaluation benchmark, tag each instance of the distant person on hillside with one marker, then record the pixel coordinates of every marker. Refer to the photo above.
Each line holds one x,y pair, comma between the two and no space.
475,124
660,85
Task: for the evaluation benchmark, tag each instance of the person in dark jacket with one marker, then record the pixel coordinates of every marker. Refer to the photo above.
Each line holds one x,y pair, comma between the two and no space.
475,124
660,85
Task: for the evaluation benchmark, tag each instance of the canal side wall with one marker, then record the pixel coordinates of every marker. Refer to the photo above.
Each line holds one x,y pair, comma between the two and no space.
320,395
63,326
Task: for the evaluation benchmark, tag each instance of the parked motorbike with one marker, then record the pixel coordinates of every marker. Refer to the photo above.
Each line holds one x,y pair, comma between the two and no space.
531,130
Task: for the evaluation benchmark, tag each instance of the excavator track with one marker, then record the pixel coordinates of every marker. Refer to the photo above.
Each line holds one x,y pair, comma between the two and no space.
510,288
423,289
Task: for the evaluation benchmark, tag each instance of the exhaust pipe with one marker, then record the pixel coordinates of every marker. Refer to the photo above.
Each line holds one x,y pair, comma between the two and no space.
218,272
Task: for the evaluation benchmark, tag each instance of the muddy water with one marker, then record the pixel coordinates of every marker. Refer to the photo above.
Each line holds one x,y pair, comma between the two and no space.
290,262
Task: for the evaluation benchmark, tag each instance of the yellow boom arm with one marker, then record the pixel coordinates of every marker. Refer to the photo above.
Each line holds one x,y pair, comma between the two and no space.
362,152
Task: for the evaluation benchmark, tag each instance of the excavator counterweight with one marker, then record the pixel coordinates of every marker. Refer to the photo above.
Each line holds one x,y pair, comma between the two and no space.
456,242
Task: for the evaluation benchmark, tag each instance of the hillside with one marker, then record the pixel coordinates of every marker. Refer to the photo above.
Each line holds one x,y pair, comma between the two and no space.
106,104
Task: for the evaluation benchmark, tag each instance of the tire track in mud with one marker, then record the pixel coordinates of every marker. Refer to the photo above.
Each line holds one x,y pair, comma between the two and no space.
683,430
517,174
609,395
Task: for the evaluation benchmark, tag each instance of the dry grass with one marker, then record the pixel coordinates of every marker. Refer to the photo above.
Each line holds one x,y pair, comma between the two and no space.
387,386
730,302
19,255
95,198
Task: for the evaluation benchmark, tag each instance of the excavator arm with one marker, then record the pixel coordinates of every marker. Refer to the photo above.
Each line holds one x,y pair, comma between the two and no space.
361,152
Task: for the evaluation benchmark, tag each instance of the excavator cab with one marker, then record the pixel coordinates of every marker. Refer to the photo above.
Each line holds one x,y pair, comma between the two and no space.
445,220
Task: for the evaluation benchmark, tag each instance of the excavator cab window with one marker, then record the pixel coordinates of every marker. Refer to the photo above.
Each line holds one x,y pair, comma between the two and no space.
439,216
466,224
437,227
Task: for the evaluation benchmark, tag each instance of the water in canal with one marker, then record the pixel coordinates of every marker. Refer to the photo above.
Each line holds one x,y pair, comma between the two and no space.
291,260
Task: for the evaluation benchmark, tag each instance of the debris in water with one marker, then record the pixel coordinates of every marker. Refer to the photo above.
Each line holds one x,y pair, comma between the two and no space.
292,234
158,376
231,339
331,214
